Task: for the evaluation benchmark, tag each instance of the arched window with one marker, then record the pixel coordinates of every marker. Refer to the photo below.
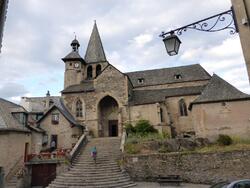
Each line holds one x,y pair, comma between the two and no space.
183,108
98,69
89,72
79,108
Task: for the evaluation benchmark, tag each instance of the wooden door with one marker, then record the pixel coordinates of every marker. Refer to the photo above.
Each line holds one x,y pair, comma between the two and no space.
43,174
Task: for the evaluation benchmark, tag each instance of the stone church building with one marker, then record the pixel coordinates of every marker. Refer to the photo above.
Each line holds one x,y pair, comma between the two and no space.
183,101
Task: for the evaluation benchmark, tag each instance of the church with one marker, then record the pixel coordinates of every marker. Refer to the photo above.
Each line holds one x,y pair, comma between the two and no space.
183,101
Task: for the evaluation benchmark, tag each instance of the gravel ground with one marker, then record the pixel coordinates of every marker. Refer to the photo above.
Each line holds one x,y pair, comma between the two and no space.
157,185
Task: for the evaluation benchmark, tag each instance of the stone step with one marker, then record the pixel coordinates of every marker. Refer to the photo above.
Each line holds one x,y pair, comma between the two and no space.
130,184
106,173
92,179
102,184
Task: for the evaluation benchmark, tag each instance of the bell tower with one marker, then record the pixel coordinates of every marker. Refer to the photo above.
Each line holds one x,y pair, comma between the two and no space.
74,66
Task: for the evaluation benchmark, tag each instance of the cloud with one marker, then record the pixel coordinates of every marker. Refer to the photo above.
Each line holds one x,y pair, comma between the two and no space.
12,90
38,34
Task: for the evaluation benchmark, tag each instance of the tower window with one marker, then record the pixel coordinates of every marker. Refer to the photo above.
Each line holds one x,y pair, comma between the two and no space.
98,69
140,80
89,72
177,76
183,108
79,108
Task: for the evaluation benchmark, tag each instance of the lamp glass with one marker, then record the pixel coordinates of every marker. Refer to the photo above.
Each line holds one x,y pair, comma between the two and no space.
172,44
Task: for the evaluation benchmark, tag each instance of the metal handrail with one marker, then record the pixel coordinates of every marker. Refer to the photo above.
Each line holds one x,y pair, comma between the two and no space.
16,167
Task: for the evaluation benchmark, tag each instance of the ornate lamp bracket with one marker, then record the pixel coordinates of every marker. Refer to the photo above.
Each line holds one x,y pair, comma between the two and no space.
223,21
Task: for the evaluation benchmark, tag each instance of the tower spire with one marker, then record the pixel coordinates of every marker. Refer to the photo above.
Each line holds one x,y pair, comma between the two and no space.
95,52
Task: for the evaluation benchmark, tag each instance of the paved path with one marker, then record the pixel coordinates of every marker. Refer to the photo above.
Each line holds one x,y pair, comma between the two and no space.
157,185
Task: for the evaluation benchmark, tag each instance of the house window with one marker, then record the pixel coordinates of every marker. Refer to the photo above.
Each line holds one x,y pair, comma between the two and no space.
140,80
89,72
98,69
183,108
177,76
55,118
79,108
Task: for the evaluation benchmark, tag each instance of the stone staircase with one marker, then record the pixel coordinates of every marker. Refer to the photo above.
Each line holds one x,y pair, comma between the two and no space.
106,173
12,183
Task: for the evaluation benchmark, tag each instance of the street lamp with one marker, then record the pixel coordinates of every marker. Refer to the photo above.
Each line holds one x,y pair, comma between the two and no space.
222,21
172,44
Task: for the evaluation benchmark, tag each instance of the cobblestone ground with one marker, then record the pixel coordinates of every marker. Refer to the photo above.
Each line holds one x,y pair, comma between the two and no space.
157,185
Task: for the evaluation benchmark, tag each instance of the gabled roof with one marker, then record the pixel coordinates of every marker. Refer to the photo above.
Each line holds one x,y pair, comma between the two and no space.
85,86
218,90
95,52
168,75
7,121
61,107
141,97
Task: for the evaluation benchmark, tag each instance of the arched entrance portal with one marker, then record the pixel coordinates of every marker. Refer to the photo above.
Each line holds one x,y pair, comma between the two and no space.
108,117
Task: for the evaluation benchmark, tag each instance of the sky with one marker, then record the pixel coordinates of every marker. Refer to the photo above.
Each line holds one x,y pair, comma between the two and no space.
38,34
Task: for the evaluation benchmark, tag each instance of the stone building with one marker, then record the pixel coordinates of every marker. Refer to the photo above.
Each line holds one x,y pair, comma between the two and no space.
3,13
178,100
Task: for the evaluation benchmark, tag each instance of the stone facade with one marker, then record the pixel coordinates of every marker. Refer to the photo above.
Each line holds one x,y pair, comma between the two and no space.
110,98
67,134
242,12
231,118
12,148
205,168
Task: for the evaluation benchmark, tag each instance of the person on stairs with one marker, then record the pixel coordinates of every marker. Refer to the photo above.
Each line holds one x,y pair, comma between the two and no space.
94,153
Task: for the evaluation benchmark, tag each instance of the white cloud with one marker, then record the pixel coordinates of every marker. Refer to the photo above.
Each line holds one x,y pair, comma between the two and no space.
38,34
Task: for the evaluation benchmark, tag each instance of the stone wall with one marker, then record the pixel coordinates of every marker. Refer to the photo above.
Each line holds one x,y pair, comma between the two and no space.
181,124
173,85
12,147
193,167
67,135
231,118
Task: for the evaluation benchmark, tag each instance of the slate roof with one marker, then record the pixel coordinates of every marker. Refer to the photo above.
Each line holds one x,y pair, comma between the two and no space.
74,55
95,52
86,86
218,90
37,104
167,75
7,121
62,108
140,97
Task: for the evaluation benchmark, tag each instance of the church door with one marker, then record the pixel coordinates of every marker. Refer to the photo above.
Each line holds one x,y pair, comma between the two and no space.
108,117
113,128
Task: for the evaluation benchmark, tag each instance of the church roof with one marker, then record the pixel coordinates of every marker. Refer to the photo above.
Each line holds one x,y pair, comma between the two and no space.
169,75
74,55
140,97
7,121
95,52
218,90
85,86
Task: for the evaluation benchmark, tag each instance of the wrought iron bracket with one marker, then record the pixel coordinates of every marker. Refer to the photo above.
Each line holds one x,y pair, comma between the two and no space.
218,22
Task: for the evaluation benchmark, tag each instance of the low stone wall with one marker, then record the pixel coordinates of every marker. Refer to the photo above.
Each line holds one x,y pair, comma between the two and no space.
192,167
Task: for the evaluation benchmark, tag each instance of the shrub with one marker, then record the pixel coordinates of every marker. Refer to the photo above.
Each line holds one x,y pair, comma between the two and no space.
132,148
129,128
143,127
224,140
